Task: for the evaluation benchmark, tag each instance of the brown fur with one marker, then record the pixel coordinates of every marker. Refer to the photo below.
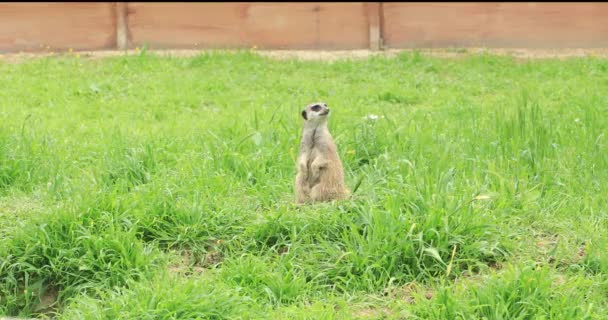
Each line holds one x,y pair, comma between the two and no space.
320,174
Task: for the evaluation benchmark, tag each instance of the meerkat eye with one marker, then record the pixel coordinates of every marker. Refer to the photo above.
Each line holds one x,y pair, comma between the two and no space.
316,108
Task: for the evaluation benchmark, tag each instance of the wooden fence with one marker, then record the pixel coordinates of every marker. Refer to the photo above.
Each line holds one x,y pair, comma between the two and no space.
322,25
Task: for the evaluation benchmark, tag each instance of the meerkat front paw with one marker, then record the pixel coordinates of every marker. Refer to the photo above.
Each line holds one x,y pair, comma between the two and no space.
315,172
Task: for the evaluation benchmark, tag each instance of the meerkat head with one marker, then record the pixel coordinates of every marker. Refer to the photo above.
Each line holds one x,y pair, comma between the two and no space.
316,112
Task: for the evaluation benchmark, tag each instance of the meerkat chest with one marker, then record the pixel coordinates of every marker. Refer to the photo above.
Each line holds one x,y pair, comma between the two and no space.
312,155
315,144
307,157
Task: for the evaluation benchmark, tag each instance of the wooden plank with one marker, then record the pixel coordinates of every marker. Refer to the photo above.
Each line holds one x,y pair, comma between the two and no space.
122,41
374,17
58,26
278,25
506,25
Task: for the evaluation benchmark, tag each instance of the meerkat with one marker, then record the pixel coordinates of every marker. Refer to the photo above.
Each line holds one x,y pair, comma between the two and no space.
320,174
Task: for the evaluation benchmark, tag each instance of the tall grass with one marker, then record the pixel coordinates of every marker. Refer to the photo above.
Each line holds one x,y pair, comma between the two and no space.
161,187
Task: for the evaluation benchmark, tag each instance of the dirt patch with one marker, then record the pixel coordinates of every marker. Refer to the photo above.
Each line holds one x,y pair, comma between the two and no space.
322,55
48,301
188,262
185,265
546,244
374,313
20,205
441,53
14,212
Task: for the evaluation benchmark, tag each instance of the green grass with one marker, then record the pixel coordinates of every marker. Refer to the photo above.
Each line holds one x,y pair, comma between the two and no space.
161,187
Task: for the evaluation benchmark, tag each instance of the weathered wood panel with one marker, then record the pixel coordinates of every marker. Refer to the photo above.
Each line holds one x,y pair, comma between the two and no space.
290,25
32,26
265,25
524,24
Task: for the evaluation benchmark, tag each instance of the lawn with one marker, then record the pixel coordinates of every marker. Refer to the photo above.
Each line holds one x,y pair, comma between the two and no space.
155,187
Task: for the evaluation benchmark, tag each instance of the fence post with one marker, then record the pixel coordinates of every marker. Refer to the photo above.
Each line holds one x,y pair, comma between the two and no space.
374,18
122,40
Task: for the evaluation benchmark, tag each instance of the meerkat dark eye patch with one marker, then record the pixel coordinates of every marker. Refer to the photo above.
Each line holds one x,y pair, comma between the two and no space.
304,115
315,108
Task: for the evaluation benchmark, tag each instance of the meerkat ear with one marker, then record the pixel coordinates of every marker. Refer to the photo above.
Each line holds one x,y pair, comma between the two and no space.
304,115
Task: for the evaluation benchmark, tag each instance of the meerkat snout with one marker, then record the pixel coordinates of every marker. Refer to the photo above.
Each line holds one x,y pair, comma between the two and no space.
320,174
